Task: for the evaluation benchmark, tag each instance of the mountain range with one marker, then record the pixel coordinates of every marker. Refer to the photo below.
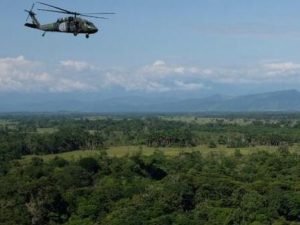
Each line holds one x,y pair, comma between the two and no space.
288,100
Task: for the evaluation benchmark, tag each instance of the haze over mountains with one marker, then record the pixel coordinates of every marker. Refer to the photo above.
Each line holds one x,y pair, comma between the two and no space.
288,100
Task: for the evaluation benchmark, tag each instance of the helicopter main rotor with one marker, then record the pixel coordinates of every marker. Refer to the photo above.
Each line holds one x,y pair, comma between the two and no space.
64,11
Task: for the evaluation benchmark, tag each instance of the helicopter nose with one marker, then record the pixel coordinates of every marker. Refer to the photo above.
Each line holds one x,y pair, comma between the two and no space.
94,30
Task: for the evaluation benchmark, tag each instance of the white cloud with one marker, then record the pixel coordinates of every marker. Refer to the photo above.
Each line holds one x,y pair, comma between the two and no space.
21,74
134,81
159,63
25,75
285,66
161,68
283,69
287,72
188,86
157,77
67,85
76,65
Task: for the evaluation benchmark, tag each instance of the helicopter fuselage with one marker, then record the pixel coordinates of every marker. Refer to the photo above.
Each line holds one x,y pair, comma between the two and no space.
74,25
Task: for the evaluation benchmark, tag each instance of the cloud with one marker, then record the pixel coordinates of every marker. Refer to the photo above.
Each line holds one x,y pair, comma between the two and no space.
268,73
188,86
134,81
159,63
156,77
76,65
21,74
161,68
284,69
13,64
67,85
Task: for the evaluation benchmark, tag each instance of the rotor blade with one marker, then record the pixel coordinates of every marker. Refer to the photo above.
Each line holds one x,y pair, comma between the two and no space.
29,11
77,14
32,7
56,11
55,7
92,16
27,16
103,13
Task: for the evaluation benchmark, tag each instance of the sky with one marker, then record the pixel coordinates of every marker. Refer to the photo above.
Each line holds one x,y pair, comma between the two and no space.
188,48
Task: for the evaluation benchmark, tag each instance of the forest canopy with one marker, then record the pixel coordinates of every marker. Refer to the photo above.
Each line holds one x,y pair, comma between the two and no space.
260,187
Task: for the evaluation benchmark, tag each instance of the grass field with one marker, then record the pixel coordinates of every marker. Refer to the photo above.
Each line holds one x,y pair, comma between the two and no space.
170,152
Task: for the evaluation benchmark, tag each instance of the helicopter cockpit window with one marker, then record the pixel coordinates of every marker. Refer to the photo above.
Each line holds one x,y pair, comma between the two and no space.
89,23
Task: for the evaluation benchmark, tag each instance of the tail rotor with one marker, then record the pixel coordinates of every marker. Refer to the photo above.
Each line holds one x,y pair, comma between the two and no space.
30,12
35,23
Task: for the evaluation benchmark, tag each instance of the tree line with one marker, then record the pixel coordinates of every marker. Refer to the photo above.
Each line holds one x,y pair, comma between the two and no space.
27,136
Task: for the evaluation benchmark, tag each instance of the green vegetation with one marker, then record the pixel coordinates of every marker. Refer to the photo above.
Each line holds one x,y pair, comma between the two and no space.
123,151
258,188
91,169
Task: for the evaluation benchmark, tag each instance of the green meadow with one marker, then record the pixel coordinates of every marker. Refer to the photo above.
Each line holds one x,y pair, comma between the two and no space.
123,151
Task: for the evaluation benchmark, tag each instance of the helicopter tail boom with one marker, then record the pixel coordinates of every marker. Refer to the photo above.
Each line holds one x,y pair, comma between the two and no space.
31,25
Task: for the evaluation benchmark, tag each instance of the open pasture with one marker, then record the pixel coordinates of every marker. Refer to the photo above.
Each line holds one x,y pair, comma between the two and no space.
123,151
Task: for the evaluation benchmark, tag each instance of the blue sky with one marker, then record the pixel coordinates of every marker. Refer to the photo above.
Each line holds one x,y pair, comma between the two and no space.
192,47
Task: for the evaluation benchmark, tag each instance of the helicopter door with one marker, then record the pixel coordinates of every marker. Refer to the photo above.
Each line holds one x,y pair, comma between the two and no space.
73,27
63,27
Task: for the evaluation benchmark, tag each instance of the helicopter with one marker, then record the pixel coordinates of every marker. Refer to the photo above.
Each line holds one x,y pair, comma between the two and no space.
74,23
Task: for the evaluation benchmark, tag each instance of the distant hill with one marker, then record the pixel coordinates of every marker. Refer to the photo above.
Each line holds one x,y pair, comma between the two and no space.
272,101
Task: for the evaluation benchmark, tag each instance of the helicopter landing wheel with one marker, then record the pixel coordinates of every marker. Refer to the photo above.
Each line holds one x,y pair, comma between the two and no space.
75,34
87,35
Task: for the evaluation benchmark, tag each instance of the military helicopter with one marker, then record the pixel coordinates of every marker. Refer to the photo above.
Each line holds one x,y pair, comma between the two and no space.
73,24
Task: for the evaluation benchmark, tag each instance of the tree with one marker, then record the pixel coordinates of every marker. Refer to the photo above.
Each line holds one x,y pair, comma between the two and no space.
89,164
